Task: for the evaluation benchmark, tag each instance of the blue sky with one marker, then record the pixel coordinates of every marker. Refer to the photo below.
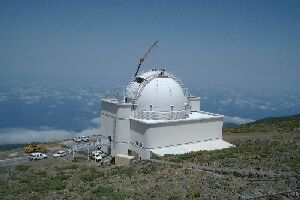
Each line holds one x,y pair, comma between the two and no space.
58,58
228,43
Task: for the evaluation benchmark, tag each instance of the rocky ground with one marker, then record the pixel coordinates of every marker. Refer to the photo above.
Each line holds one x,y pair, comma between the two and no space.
261,164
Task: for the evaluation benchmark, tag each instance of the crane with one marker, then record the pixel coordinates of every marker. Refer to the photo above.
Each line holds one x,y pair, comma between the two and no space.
155,44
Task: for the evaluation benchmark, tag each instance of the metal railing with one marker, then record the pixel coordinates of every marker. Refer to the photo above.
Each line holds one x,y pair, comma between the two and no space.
156,115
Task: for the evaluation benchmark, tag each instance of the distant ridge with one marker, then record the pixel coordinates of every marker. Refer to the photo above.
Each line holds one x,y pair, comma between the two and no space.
276,119
282,124
7,147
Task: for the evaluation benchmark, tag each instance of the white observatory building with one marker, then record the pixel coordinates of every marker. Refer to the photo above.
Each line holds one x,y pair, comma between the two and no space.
157,115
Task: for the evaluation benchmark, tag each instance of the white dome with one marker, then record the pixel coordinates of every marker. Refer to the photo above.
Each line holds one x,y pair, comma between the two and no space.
156,91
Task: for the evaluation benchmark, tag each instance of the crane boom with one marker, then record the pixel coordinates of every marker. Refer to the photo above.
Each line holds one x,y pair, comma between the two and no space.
155,44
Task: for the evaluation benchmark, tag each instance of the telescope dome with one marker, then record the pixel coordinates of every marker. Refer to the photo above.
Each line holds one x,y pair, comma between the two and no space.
156,90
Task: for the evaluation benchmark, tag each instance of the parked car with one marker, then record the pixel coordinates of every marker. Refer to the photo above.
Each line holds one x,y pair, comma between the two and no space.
96,156
59,154
81,138
37,156
101,153
84,138
77,139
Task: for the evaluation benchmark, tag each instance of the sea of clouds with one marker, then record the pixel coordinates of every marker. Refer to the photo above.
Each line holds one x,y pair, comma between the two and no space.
26,136
49,112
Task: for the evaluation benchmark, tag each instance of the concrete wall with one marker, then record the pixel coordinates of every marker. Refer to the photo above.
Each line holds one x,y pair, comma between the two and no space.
108,115
115,123
143,154
125,132
122,130
121,138
119,147
175,133
112,107
107,122
137,131
194,103
137,134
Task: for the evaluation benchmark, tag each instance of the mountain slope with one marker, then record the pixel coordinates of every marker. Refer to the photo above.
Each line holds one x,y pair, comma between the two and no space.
285,124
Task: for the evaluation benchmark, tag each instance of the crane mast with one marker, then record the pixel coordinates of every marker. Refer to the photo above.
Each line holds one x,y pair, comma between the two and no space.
155,44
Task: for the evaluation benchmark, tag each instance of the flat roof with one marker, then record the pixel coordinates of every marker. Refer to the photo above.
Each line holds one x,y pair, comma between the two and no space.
193,116
203,115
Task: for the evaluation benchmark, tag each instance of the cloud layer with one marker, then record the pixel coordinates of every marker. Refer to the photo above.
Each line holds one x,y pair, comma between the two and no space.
237,120
21,135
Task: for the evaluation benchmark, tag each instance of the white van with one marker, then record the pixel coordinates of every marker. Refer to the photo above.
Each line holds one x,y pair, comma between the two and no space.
37,156
95,155
81,138
84,138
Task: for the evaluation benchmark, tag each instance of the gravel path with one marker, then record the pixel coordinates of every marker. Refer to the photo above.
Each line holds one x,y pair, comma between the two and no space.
14,161
220,170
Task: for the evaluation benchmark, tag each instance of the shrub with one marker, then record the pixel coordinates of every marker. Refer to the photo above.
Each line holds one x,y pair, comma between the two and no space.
193,195
40,173
173,197
68,167
35,198
124,170
148,169
22,167
108,193
89,175
57,182
87,198
294,163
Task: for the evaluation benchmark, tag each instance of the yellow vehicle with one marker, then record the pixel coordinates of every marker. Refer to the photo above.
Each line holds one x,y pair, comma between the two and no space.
35,148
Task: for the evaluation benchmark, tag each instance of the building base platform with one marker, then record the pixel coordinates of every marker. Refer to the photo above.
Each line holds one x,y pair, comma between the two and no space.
207,145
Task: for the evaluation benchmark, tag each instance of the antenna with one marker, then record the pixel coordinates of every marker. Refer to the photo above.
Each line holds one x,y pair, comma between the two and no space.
117,95
155,44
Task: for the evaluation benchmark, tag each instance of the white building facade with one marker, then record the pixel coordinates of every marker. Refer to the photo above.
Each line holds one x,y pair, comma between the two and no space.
158,116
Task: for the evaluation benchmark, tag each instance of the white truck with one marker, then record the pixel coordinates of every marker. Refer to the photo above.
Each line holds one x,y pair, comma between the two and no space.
81,138
76,139
59,154
37,156
96,156
84,138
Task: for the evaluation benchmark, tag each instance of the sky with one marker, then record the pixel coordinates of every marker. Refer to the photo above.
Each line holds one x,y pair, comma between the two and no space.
213,43
59,58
